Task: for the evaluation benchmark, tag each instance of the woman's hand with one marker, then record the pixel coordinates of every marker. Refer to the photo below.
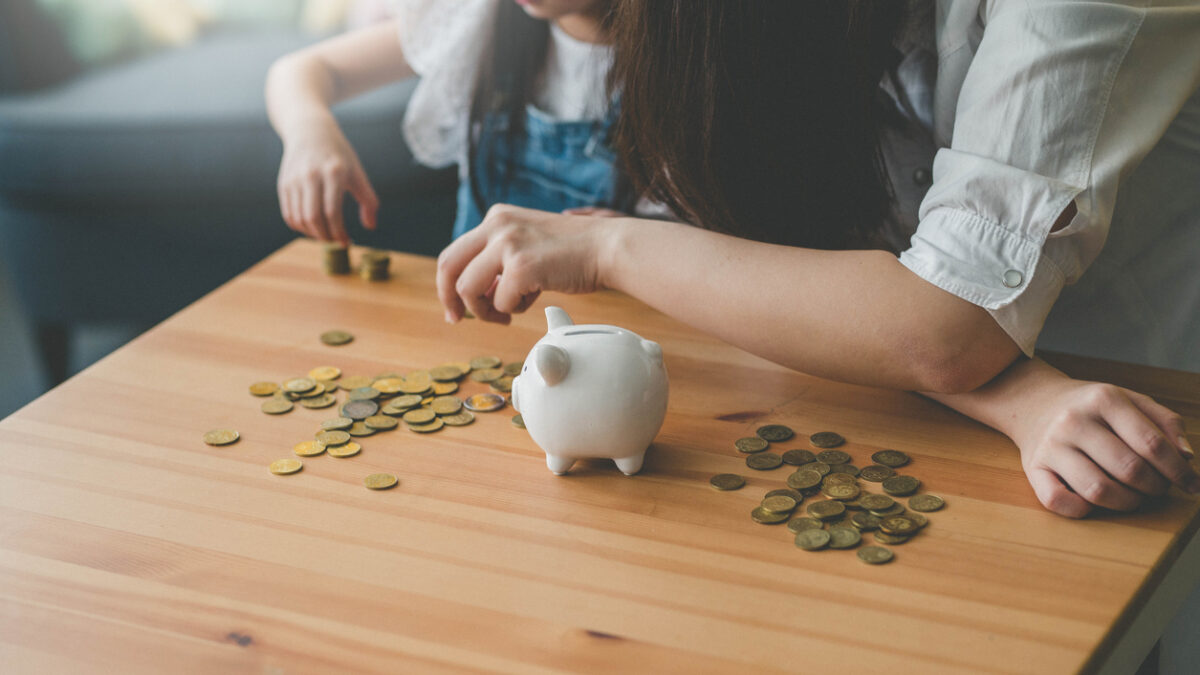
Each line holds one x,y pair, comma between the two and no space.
501,266
319,167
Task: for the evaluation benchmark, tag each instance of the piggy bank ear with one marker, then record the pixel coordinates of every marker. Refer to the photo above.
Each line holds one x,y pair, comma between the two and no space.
653,350
552,363
556,317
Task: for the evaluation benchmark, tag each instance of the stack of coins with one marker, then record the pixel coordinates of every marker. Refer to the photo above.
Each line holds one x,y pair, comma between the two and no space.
373,265
337,259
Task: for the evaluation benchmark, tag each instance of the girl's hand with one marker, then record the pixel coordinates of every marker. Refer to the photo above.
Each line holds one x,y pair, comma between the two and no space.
319,167
501,266
1092,444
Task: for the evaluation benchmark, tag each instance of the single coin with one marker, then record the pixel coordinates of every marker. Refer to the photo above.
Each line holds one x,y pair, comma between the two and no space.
485,362
436,424
890,458
325,373
388,385
445,373
798,457
336,338
390,375
360,429
316,403
276,406
309,448
843,537
839,479
876,473
750,445
779,504
900,486
875,555
486,374
852,505
896,509
802,523
380,481
865,521
774,433
898,525
364,394
826,509
405,401
764,461
727,481
417,383
337,424
299,385
444,388
918,518
832,457
874,502
787,492
419,416
332,438
221,437
351,382
331,386
925,502
502,384
804,479
464,366
513,368
820,467
827,439
462,419
345,450
283,467
813,540
761,515
360,410
263,388
446,405
518,421
484,402
846,469
840,491
381,422
318,390
885,538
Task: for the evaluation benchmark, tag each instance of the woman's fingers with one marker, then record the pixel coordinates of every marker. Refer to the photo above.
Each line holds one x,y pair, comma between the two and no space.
476,285
1146,438
450,265
1055,496
1118,459
1168,420
1089,481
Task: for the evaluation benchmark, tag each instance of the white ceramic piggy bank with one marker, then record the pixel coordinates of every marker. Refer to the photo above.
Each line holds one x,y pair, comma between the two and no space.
591,391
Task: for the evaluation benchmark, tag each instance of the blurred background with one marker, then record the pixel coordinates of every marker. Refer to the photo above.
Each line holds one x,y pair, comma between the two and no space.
137,167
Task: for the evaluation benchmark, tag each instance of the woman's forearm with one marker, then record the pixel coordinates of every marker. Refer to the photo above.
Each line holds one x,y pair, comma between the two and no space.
855,316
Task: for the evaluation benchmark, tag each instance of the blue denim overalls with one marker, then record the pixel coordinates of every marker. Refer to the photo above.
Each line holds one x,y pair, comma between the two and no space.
555,166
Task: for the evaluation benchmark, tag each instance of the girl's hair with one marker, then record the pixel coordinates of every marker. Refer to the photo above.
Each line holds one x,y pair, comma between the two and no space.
758,118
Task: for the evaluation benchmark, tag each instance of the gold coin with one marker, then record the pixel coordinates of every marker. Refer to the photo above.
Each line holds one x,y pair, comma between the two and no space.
330,386
345,450
865,521
885,538
798,525
513,368
918,518
727,481
925,502
447,372
426,401
417,386
435,425
462,419
518,421
761,515
336,338
484,402
804,479
380,481
221,437
798,457
486,374
833,457
826,509
332,438
838,479
502,384
355,381
419,416
444,388
318,390
299,385
446,405
874,555
820,467
899,526
841,491
842,537
325,373
405,402
812,540
363,394
826,439
485,362
381,422
774,433
322,401
360,410
276,406
360,429
794,494
844,469
388,385
337,424
900,486
890,458
464,366
876,473
263,388
309,448
779,504
893,510
874,502
750,444
764,461
283,467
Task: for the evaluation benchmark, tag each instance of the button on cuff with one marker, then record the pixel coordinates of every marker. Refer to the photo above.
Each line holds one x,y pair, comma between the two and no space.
1013,278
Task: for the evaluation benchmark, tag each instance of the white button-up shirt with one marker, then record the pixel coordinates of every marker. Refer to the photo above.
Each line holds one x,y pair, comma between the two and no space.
1024,107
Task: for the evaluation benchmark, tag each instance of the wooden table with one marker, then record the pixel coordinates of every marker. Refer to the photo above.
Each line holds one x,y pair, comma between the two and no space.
127,545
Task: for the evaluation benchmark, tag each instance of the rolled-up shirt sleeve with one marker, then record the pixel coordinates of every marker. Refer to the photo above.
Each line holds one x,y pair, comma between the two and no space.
1044,104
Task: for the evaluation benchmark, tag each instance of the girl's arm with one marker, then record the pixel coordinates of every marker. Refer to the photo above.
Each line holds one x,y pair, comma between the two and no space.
319,166
1109,445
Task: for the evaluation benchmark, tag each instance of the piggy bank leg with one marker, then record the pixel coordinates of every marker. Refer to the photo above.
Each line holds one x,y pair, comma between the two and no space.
630,465
559,465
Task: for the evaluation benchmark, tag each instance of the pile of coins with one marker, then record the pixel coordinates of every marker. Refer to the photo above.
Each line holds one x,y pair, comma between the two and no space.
847,511
336,259
373,265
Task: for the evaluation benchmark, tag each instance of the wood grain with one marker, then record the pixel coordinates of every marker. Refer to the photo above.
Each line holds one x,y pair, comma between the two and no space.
127,545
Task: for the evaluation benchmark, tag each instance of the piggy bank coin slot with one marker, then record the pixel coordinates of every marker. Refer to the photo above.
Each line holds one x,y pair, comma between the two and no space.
590,332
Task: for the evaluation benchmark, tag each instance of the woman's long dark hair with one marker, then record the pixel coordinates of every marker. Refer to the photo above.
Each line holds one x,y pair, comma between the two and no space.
758,118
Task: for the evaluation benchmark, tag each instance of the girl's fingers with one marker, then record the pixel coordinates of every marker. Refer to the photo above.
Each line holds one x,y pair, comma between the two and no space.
297,221
1148,440
314,212
281,193
334,194
1055,496
1089,481
450,265
475,285
1168,420
368,201
1118,460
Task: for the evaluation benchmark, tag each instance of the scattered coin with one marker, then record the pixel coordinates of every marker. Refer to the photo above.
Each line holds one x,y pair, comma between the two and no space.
364,394
845,469
764,461
804,479
820,467
360,429
826,439
300,385
919,518
345,450
353,382
283,467
360,410
794,494
485,362
893,510
484,402
419,416
761,515
841,491
812,540
309,448
318,402
779,504
518,421
832,457
513,368
332,438
263,388
337,424
381,422
446,373
446,405
387,385
875,555
874,502
798,457
838,479
727,481
435,425
797,525
462,419
865,521
486,375
325,373
502,384
900,486
885,538
277,406
444,388
844,537
775,433
221,437
404,402
925,502
380,481
336,338
899,526
876,473
890,458
826,509
750,445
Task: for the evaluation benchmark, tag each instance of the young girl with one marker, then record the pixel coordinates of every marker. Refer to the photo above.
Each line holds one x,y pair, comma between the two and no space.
511,90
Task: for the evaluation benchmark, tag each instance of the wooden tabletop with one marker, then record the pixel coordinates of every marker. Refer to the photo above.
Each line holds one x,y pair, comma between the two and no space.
128,545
